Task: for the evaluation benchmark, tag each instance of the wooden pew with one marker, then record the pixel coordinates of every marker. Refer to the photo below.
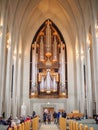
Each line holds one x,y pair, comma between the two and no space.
80,127
73,125
28,125
91,128
25,125
22,126
70,125
10,129
19,127
85,127
77,125
35,123
62,123
15,128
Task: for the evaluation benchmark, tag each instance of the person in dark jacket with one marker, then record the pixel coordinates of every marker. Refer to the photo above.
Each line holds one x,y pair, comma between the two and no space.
96,118
55,117
44,117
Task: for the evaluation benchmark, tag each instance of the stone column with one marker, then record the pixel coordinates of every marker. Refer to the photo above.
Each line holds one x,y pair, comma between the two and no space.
96,75
14,94
34,64
62,68
7,87
19,85
82,92
1,87
78,84
89,85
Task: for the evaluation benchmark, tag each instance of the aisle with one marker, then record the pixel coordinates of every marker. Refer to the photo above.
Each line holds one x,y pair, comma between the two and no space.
51,126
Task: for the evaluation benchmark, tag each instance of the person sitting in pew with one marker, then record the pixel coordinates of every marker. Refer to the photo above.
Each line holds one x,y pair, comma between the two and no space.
96,118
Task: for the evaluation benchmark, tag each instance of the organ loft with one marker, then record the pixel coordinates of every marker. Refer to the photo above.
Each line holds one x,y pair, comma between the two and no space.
48,63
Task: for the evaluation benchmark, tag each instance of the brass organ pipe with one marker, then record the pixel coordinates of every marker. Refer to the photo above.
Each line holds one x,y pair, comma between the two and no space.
55,49
41,49
48,40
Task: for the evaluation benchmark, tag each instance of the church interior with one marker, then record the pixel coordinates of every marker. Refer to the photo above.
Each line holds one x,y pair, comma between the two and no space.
48,56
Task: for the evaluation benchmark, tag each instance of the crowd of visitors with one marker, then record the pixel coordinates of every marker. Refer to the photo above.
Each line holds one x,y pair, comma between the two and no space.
47,116
11,122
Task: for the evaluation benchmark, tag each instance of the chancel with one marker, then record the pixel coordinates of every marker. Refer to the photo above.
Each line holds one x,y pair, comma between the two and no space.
49,57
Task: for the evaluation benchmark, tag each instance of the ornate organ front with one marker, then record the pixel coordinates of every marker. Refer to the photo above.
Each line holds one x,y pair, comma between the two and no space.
48,65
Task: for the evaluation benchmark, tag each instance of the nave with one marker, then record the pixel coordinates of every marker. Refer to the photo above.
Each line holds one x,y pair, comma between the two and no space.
48,57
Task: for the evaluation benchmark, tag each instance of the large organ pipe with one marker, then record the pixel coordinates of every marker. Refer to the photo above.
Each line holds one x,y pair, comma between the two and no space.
41,49
42,85
54,85
48,40
48,82
62,67
36,61
55,49
33,66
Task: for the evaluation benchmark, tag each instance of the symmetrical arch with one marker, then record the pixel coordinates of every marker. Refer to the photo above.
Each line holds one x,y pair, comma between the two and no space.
48,61
73,18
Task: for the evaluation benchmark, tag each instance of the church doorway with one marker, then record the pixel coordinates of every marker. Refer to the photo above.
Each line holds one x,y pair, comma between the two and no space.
49,110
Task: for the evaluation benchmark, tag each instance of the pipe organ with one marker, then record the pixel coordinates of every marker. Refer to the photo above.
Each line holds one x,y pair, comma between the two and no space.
48,63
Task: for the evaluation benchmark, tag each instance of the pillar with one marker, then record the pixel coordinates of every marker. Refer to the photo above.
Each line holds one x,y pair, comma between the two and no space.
96,89
1,88
8,84
89,85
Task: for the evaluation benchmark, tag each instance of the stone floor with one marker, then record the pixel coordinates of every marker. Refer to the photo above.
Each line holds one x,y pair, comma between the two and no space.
49,127
3,127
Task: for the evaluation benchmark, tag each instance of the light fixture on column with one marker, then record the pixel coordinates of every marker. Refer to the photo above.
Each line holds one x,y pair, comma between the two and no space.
14,54
82,54
88,42
96,28
8,40
0,30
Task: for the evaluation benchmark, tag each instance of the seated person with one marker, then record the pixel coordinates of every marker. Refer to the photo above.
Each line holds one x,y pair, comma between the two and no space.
77,118
96,119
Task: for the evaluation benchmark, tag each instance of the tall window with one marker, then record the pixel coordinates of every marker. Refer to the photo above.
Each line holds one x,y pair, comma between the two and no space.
48,63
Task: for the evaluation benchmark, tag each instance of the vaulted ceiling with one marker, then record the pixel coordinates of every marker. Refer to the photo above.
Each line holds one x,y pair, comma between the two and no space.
26,16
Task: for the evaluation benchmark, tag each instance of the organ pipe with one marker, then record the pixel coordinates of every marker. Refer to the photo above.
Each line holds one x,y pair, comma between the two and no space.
33,66
55,49
48,40
41,49
48,82
54,85
62,68
42,85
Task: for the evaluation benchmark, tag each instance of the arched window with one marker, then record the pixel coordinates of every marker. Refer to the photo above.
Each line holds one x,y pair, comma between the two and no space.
48,63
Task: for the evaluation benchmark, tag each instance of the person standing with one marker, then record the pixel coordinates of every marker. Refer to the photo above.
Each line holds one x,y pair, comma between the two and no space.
49,118
55,117
44,117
